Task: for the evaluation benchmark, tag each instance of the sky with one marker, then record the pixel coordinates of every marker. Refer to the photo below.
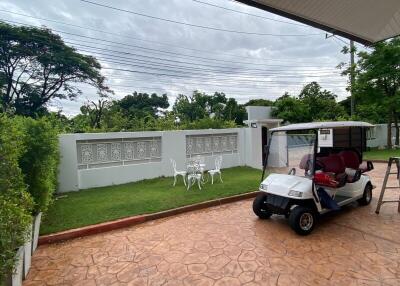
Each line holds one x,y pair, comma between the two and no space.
222,46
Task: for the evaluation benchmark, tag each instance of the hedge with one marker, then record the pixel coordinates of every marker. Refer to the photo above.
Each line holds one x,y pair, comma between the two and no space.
29,159
15,202
40,161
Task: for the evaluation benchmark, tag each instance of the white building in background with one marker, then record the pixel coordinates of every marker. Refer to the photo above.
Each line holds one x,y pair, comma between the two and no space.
102,159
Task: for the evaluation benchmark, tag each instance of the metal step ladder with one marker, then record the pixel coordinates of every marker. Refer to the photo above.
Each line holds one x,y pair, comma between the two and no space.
384,187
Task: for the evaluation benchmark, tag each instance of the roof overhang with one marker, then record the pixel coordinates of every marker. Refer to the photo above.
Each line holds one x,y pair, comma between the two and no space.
322,125
364,21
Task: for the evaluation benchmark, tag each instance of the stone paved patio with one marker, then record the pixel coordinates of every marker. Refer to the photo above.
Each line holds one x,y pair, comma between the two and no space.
228,245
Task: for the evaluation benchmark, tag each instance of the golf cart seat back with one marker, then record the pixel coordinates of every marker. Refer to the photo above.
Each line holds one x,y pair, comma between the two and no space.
352,160
306,162
332,171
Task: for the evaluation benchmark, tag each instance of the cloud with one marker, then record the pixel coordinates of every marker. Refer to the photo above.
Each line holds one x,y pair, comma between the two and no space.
242,66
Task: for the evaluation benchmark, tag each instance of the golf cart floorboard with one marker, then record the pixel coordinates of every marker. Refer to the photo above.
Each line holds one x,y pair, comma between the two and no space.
341,201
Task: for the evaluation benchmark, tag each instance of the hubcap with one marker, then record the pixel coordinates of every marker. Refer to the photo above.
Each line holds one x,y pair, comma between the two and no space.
306,221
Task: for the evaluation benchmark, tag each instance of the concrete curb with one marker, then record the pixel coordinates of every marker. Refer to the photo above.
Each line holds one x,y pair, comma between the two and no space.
379,161
134,220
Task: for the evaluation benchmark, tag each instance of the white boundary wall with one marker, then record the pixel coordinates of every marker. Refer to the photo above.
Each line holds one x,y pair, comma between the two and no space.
102,159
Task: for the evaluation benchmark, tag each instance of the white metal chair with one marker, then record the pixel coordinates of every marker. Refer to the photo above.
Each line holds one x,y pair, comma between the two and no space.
178,173
194,174
217,170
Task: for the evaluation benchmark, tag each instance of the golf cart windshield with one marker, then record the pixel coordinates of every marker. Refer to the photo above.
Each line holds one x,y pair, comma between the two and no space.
293,152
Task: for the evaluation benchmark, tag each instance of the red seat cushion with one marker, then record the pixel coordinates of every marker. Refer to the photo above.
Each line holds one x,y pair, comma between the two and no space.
333,164
351,159
325,179
333,172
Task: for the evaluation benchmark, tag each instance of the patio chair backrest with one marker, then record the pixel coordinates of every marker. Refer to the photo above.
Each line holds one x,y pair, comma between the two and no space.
173,164
218,163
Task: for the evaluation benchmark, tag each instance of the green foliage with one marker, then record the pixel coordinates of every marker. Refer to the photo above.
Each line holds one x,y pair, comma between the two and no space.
201,105
377,83
40,161
207,123
15,202
38,66
140,105
312,104
259,102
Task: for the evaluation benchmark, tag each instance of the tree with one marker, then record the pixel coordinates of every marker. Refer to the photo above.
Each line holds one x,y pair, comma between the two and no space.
38,67
377,82
140,105
290,109
259,102
234,112
94,110
321,104
201,105
312,104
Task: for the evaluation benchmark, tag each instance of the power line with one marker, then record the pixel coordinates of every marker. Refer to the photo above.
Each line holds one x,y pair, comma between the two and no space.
187,56
192,63
249,14
162,59
244,76
177,76
195,25
125,36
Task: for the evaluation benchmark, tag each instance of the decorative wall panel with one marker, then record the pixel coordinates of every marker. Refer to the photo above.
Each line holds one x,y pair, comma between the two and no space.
210,144
117,152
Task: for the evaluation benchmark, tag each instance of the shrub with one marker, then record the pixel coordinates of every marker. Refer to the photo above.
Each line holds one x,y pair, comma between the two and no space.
15,202
207,123
40,161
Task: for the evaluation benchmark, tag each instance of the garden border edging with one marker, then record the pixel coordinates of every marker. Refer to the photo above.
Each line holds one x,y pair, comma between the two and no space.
134,220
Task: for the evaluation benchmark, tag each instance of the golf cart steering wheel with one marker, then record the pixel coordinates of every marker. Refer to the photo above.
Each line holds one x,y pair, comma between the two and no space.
292,171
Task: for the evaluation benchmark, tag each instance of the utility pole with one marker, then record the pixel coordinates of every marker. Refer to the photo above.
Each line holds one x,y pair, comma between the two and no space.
352,77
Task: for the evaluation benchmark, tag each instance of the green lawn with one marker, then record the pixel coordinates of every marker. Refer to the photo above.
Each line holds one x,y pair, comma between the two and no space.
385,154
97,205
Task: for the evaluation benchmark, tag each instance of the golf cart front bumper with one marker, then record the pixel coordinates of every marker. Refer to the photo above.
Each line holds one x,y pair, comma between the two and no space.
277,204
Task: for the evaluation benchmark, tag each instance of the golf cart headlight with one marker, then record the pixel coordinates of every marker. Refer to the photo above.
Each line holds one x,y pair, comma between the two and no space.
263,187
297,194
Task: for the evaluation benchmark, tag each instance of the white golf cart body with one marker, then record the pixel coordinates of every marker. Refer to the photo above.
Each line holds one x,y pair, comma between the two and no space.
286,185
283,192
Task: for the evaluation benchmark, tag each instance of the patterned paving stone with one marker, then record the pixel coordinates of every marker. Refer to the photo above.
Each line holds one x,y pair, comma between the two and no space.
228,245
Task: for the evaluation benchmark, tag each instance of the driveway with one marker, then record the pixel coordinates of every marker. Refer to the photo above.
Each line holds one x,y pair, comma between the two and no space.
228,245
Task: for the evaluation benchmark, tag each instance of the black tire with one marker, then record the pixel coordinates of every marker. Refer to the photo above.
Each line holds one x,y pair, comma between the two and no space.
259,207
367,196
302,220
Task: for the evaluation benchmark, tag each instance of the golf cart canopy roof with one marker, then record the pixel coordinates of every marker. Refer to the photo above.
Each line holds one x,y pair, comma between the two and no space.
364,21
321,125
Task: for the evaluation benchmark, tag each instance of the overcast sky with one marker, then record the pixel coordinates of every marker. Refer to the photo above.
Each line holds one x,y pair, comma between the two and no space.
166,57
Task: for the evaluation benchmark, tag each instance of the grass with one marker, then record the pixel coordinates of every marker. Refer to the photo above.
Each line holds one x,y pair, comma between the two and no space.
384,154
97,205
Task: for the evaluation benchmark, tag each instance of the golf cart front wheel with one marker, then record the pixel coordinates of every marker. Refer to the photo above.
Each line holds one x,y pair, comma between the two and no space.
260,208
302,220
367,196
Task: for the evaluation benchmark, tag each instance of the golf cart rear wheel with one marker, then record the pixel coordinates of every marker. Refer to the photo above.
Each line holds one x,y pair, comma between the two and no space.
260,208
367,196
302,220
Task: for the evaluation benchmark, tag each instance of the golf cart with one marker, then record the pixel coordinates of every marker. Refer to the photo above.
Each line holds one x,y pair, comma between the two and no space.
323,169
